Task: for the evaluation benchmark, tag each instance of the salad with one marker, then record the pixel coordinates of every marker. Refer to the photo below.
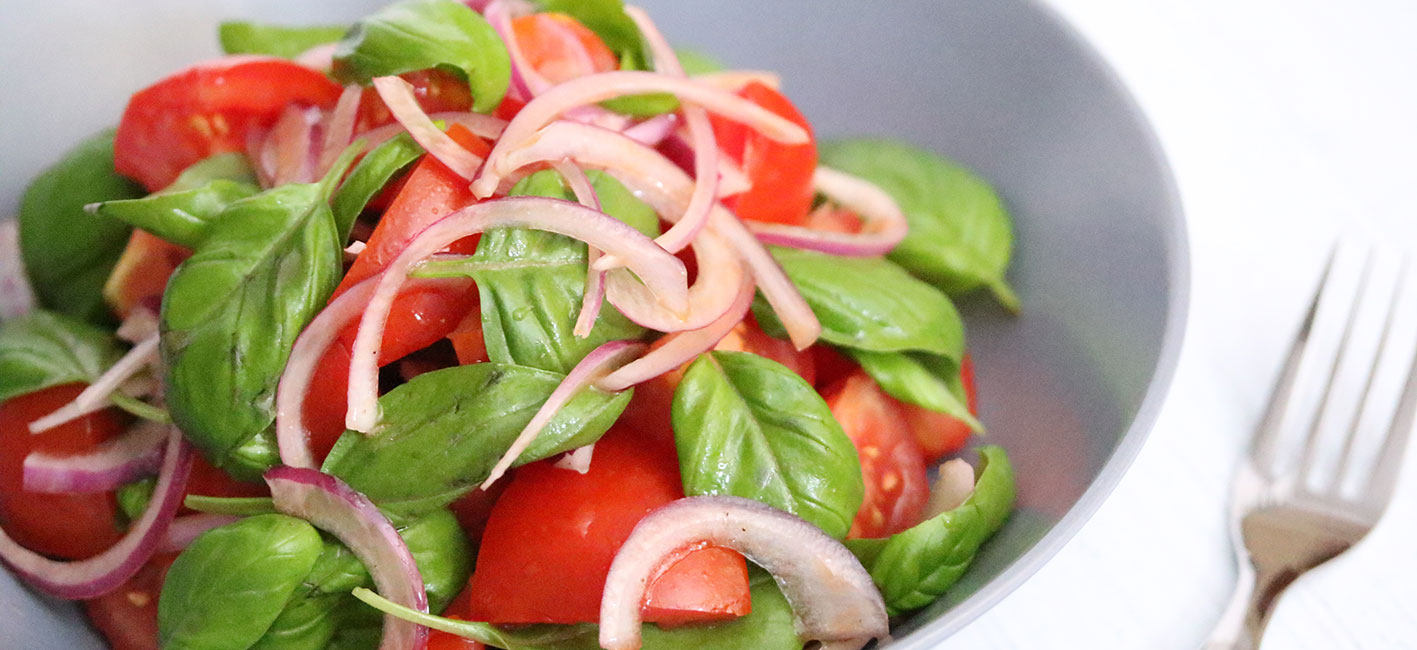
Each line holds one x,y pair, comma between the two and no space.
494,324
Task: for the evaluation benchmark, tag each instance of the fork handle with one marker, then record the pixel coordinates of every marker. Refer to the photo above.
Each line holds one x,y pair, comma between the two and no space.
1245,618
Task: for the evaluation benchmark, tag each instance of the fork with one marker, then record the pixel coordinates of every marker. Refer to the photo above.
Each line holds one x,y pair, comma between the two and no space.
1281,526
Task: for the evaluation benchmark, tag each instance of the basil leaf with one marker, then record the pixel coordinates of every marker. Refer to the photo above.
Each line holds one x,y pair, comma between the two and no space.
607,18
227,588
696,62
43,349
182,212
914,567
420,34
750,427
444,430
133,498
868,303
240,506
232,311
68,253
929,382
961,235
275,40
371,176
531,282
769,626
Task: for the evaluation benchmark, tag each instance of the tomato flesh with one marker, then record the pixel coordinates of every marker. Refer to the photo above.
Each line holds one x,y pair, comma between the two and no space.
127,616
892,464
780,174
552,536
207,109
560,48
437,91
938,434
66,526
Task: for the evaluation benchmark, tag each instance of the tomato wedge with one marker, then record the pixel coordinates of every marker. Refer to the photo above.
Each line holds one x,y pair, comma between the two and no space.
418,319
892,464
68,526
781,174
207,109
553,534
127,616
938,434
560,47
436,91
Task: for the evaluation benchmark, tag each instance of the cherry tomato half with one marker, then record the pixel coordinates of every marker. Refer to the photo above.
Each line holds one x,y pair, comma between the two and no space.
892,465
781,174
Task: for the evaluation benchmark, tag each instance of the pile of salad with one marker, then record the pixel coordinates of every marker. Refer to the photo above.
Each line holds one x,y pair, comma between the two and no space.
492,324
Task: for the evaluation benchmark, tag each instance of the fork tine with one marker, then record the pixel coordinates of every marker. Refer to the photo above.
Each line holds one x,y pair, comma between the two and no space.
1262,450
1346,344
1345,461
1384,477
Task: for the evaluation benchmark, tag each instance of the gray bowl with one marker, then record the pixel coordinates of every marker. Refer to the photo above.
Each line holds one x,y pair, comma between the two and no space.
1070,388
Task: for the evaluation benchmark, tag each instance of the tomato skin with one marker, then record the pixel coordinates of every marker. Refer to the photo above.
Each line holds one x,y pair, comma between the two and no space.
66,526
560,48
938,434
437,91
892,464
781,174
127,616
747,336
207,109
553,534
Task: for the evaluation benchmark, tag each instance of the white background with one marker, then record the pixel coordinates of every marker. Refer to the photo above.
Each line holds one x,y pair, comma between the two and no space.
1288,123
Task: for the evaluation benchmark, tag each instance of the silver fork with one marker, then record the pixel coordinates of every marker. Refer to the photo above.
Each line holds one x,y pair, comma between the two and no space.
1280,525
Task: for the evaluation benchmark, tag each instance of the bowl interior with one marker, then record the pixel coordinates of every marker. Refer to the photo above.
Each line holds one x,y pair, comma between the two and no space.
1069,388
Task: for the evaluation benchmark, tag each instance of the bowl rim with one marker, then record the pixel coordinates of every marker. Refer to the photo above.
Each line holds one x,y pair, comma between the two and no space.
1178,278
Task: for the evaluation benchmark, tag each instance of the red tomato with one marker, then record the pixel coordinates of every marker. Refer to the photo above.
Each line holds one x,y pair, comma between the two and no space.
832,366
553,534
940,435
207,109
560,47
444,641
891,462
127,616
418,319
781,174
748,337
210,481
436,90
68,526
467,339
142,271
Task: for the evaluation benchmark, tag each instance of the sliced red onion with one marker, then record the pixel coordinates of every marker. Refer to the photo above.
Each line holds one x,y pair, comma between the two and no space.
832,596
595,280
600,361
330,505
187,528
140,325
654,130
352,251
735,80
954,485
720,272
291,140
320,57
104,572
16,296
135,453
884,228
526,82
731,179
398,96
95,396
339,128
680,347
608,85
482,126
292,438
663,273
577,460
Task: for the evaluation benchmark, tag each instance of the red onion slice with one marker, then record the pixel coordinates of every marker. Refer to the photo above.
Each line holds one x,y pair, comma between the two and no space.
731,179
104,572
654,130
482,126
663,273
884,228
339,128
526,82
16,296
720,272
577,460
398,96
953,487
832,596
594,294
140,325
287,148
330,505
680,347
187,528
595,365
95,396
608,85
135,453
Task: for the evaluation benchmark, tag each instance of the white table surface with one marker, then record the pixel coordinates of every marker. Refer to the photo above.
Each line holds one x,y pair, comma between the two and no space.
1287,122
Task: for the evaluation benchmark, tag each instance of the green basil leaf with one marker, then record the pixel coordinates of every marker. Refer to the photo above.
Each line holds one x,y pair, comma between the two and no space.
304,624
696,62
240,506
531,282
133,498
68,253
357,638
442,432
929,382
44,349
750,427
232,311
868,303
420,34
961,234
234,167
227,588
183,211
914,567
373,173
275,40
768,627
